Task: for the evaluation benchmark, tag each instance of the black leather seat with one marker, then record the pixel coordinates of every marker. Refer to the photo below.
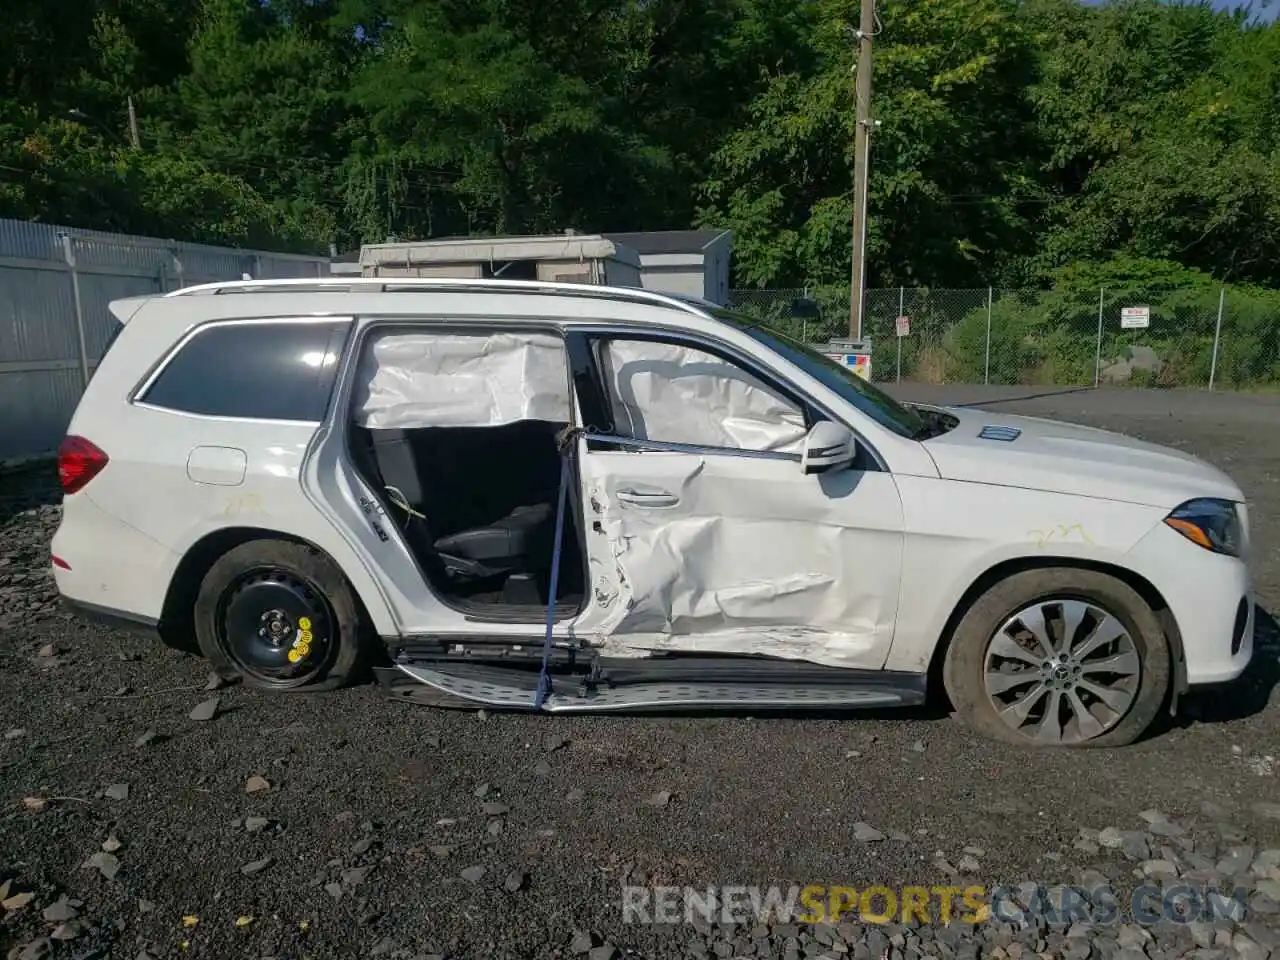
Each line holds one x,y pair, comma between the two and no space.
518,543
443,474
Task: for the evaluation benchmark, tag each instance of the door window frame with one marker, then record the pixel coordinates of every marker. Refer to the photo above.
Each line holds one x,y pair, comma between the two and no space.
597,417
338,344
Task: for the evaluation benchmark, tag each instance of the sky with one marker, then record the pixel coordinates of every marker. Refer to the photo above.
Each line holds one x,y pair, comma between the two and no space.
1266,14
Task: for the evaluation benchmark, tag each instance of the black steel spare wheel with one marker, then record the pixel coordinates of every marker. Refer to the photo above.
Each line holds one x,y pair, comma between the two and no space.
279,615
276,627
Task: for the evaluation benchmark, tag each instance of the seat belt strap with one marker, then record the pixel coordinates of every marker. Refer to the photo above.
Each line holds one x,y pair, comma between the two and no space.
565,442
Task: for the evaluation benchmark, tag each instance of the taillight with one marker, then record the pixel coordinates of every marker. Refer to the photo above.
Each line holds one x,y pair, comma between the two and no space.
79,461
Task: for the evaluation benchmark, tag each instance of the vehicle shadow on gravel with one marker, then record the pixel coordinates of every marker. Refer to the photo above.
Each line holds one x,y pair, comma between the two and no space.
28,488
1246,696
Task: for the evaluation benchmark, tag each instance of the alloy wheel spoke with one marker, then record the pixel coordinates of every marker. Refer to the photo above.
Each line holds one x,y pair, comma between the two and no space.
1003,645
1049,728
1108,630
1127,663
1033,620
1073,614
1020,709
1089,725
1117,700
998,683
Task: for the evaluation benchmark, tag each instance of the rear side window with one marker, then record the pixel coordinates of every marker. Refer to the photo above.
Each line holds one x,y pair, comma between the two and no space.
263,370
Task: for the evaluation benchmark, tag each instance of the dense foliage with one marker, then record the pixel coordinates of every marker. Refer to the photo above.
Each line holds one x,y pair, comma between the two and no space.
1017,138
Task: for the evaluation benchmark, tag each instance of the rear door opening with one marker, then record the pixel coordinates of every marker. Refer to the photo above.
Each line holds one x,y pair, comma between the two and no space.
456,429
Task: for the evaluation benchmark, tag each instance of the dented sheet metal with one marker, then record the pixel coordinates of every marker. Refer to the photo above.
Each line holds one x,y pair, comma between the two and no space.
753,558
411,380
676,394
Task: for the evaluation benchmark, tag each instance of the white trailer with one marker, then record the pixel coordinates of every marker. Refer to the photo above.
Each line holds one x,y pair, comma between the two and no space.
568,258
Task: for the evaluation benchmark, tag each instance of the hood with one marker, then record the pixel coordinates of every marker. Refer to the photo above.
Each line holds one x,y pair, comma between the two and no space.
1038,454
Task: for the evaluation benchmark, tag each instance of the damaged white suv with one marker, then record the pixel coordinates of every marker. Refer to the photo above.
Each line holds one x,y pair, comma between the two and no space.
574,498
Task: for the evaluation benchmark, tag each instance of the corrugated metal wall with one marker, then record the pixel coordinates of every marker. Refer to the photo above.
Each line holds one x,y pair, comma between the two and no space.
41,265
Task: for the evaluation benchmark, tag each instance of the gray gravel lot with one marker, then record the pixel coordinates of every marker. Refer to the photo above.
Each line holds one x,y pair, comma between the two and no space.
365,837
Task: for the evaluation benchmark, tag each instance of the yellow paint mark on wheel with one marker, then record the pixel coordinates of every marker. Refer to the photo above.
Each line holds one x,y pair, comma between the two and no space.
305,637
295,655
304,623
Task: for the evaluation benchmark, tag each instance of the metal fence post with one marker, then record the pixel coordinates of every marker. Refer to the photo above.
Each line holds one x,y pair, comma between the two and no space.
177,266
902,305
69,254
986,366
1217,336
1097,354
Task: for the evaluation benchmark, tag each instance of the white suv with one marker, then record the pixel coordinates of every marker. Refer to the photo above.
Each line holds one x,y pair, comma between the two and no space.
574,498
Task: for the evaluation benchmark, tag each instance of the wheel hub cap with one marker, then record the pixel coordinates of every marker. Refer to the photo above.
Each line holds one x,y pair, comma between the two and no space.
277,626
1062,671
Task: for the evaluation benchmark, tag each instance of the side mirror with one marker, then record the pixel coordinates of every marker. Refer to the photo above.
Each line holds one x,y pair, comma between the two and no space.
828,446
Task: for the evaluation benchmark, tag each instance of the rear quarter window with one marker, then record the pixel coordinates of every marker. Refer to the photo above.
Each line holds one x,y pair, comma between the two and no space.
261,370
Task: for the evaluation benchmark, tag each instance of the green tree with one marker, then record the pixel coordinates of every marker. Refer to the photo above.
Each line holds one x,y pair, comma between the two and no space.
950,170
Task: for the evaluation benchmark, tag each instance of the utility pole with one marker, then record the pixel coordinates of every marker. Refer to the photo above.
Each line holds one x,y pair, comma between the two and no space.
133,126
861,164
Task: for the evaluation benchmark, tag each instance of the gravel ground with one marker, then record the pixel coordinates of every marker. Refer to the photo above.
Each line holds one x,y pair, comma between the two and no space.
345,825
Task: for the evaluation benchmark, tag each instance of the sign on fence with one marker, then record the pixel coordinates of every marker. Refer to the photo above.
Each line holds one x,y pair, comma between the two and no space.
904,326
1135,318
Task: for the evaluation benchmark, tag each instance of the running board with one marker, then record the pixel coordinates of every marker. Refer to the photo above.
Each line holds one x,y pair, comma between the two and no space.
571,695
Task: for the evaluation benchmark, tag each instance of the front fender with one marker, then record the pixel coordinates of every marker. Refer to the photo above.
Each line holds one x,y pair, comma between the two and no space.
957,533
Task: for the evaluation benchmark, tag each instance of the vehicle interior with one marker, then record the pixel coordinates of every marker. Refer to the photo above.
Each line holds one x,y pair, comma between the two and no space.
457,432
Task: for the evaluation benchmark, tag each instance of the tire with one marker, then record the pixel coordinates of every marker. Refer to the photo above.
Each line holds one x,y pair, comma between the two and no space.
980,639
280,616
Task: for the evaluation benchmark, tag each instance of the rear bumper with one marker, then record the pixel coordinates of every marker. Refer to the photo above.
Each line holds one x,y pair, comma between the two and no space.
102,563
112,619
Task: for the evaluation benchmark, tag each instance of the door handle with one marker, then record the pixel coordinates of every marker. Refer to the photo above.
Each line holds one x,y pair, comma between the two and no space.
648,498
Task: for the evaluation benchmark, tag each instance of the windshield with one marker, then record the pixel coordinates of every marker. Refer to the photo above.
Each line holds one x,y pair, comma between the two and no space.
869,399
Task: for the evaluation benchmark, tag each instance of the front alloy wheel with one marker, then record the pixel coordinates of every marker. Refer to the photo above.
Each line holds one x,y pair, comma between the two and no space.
1058,657
1062,671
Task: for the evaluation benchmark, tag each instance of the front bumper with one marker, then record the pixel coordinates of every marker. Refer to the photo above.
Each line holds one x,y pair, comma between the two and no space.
1210,597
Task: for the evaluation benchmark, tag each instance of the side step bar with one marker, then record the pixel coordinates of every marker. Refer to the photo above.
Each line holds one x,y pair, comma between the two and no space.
514,690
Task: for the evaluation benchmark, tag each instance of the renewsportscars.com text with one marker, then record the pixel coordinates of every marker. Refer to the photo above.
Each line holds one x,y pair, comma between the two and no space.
930,905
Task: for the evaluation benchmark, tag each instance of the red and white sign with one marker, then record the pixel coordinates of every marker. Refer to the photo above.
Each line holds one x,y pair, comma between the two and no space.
1135,318
904,326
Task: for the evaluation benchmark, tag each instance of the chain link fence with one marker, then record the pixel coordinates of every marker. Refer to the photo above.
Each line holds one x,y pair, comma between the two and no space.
1218,338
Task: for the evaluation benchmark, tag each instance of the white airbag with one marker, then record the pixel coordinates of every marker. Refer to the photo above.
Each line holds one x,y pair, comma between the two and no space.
411,380
678,394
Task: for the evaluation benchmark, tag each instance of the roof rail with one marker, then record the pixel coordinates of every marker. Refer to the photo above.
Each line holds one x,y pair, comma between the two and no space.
417,284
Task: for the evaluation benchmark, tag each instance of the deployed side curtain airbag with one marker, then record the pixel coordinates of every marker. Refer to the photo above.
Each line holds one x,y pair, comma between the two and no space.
676,394
412,380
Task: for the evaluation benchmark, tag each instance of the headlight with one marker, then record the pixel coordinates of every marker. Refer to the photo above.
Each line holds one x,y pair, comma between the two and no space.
1213,524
